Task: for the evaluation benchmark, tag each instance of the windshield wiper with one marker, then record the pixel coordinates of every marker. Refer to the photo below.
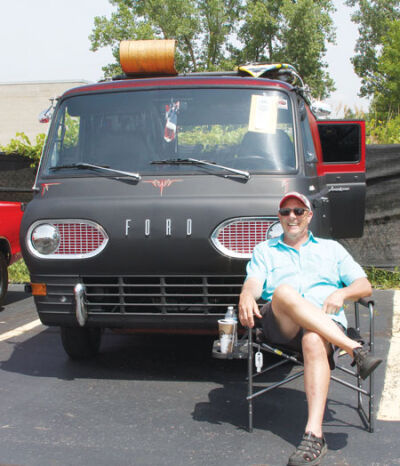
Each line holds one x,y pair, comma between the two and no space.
91,166
205,163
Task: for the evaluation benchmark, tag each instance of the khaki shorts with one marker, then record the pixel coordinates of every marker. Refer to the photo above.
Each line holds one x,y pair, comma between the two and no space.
274,336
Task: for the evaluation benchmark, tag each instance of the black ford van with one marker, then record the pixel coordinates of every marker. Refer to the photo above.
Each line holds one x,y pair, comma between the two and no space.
152,192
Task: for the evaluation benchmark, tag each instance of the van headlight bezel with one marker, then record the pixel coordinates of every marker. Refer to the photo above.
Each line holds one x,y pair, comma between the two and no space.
45,239
66,239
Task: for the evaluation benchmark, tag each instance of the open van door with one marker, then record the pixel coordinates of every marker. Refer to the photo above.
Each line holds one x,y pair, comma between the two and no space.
343,165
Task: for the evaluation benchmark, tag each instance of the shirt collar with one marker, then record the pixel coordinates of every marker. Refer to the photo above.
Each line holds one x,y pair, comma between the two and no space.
279,240
312,238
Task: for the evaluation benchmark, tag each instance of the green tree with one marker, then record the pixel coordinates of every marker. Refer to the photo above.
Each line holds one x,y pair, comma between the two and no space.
201,29
383,131
22,145
219,34
374,18
291,32
386,100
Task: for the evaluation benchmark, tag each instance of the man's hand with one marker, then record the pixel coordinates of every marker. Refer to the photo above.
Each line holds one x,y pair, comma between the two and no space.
334,302
248,307
360,288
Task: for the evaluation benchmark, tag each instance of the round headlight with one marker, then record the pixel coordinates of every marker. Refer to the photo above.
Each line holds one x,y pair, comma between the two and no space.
45,238
274,230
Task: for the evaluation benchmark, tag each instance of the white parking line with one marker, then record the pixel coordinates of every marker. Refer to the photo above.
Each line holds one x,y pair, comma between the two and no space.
20,330
389,408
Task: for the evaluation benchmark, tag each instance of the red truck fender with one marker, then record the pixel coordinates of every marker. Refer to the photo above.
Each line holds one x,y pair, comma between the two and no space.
10,249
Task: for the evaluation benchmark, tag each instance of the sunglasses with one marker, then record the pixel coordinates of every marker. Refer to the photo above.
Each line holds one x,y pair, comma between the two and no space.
298,211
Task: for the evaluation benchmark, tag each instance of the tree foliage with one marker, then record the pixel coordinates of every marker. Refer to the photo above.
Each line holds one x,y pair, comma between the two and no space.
290,32
383,131
374,18
386,100
219,34
22,145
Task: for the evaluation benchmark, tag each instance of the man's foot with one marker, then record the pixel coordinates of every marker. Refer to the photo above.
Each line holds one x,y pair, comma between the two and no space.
310,451
366,363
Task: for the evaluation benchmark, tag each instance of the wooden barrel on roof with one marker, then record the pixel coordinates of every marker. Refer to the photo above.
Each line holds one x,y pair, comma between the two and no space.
147,57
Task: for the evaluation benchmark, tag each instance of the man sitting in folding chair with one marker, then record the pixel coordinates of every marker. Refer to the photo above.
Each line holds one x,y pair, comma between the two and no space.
305,281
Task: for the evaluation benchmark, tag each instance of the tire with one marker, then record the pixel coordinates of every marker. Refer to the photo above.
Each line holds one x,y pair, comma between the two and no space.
81,342
3,278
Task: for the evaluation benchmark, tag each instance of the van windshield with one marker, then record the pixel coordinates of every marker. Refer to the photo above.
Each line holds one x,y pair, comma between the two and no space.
138,131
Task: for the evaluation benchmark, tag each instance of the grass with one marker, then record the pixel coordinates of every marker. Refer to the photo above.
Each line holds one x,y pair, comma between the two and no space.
18,272
379,278
383,279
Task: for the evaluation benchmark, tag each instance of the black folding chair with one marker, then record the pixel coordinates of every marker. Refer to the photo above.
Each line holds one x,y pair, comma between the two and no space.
364,389
253,340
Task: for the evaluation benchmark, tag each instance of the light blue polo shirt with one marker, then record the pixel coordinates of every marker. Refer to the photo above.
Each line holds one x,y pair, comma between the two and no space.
319,268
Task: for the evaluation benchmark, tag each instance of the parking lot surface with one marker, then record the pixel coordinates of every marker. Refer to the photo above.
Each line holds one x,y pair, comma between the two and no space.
163,400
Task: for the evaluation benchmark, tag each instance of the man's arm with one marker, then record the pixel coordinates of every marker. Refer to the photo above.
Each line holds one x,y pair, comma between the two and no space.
360,288
248,307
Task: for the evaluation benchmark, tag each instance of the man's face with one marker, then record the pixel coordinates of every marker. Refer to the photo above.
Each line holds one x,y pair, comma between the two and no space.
295,227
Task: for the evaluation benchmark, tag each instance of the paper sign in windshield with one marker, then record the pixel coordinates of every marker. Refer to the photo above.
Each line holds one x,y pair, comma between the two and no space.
263,114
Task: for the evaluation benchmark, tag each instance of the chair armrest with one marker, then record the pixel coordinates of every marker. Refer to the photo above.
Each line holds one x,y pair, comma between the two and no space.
366,302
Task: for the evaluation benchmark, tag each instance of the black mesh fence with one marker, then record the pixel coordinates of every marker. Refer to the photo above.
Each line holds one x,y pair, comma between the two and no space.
16,178
379,246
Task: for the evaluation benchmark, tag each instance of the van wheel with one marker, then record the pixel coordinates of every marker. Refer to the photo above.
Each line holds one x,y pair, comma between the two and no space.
81,343
3,278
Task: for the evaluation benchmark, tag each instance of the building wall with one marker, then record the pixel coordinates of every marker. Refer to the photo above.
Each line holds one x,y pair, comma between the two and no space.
21,104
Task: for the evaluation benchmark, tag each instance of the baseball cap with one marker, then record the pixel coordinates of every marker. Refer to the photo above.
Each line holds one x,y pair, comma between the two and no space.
298,196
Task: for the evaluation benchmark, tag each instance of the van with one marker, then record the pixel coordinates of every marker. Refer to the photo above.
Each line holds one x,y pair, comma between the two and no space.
154,188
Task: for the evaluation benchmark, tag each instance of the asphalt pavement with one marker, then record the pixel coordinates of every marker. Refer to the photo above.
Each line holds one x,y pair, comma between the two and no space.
163,400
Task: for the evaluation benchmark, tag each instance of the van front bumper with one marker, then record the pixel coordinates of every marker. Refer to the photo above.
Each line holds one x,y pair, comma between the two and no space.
139,302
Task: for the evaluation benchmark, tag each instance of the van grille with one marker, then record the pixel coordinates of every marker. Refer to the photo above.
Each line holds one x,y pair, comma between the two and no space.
166,294
237,237
79,238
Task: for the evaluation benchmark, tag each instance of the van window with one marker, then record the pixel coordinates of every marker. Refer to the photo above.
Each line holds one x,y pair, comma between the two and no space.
247,129
308,143
341,142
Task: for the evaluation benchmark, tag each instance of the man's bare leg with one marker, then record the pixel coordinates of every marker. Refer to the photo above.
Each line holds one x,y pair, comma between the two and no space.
292,310
316,379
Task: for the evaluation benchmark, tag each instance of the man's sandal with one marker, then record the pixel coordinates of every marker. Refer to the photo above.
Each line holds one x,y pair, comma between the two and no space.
310,451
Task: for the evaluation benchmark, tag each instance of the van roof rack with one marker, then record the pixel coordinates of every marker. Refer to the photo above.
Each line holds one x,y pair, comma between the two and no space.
281,71
156,58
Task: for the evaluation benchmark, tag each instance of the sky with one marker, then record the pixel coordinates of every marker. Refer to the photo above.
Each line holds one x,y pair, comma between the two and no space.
338,57
47,40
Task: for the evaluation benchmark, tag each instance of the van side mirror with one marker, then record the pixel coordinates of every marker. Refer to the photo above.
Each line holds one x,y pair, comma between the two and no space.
46,115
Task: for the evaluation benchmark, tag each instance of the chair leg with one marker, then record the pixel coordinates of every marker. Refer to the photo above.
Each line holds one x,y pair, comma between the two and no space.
371,403
250,377
372,376
368,419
